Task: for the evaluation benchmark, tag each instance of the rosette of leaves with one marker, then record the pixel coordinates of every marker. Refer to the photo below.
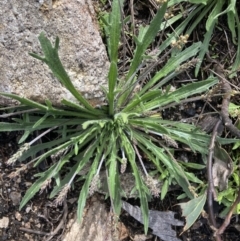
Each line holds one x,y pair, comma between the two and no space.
116,134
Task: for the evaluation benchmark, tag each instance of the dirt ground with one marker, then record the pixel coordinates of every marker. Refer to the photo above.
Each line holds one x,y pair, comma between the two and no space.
40,216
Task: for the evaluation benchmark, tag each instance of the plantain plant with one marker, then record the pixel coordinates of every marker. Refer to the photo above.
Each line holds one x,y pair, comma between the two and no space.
128,130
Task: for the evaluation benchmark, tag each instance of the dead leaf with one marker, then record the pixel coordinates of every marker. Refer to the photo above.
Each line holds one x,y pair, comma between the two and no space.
222,167
220,173
160,222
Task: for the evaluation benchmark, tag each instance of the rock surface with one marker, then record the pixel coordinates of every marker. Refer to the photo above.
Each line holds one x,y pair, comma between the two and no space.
81,49
96,225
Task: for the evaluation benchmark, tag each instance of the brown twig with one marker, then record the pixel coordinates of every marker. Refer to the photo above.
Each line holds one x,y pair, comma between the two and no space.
132,17
211,190
227,90
28,230
61,223
55,231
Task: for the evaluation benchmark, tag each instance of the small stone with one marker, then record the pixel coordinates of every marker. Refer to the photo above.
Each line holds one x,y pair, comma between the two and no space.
18,216
15,197
18,180
28,237
38,225
27,225
4,222
141,237
28,184
72,200
28,209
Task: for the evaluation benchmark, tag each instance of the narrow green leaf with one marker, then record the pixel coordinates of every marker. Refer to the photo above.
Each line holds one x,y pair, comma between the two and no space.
193,165
137,100
25,101
211,22
75,113
40,121
164,189
113,176
149,125
199,14
48,123
181,93
83,139
112,80
82,159
147,39
130,153
85,188
199,1
112,167
230,8
115,30
49,104
212,17
95,123
173,167
76,149
5,126
53,151
63,182
236,63
24,136
192,177
86,113
173,63
38,184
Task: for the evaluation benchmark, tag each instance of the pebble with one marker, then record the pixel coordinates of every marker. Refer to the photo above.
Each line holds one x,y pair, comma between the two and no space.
4,222
15,197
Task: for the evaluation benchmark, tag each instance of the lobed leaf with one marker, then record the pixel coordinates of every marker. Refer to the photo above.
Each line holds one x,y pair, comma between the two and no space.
53,61
192,209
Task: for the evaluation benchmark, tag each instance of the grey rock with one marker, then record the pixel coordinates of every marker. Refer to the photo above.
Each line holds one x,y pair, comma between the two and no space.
15,197
97,223
81,49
